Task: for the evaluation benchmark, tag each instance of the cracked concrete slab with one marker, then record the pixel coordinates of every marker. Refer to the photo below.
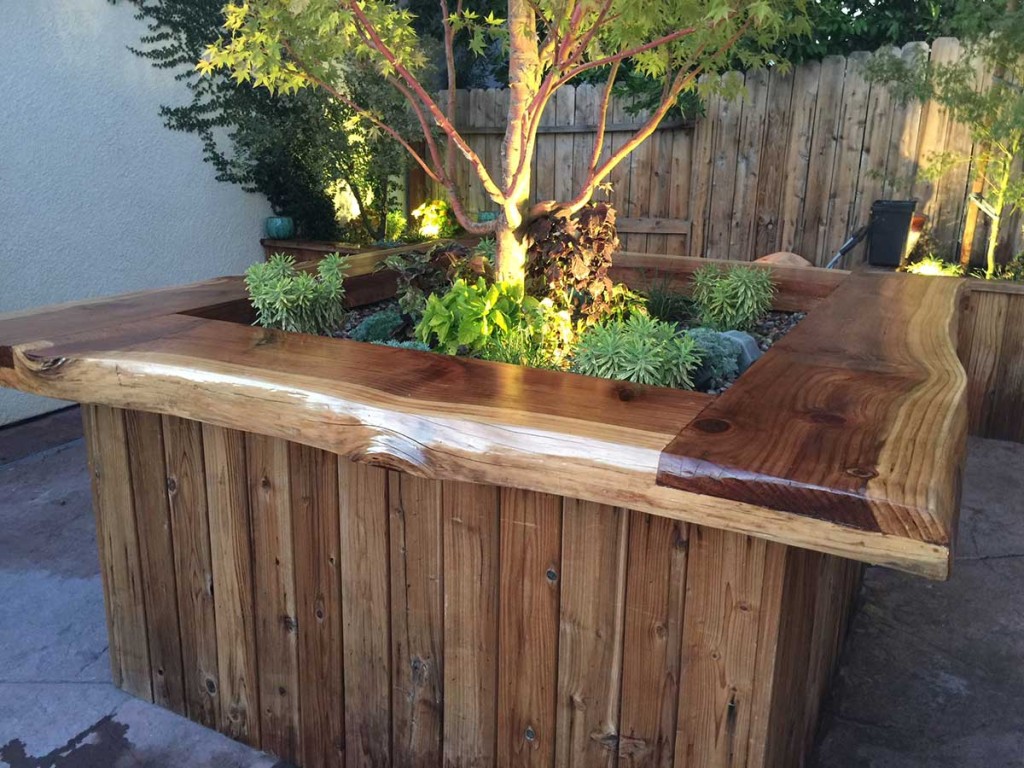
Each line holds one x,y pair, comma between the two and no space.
933,674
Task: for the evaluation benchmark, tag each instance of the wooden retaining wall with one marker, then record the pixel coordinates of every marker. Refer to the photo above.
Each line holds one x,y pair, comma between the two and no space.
991,348
335,613
793,165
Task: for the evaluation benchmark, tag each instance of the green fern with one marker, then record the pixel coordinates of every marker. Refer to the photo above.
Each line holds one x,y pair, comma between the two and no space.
639,349
292,300
732,299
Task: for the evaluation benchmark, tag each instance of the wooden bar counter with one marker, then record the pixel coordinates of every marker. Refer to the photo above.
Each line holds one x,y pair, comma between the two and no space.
348,554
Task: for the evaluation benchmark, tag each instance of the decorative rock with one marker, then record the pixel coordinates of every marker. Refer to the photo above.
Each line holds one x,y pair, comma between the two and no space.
785,259
750,351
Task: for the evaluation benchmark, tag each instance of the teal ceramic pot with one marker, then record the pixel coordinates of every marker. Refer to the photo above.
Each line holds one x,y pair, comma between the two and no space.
280,227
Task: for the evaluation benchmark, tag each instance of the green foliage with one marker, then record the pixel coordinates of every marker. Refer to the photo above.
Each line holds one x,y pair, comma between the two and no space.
496,321
296,149
665,303
639,349
569,263
933,265
719,357
396,226
1012,270
994,113
292,300
434,219
380,326
732,299
418,277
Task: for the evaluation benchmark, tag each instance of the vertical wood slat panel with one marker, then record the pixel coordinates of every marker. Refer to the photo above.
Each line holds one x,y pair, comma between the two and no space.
156,550
806,84
591,608
471,551
274,579
417,619
1007,416
723,183
366,611
117,537
190,527
720,636
771,177
655,595
234,594
750,153
531,538
313,476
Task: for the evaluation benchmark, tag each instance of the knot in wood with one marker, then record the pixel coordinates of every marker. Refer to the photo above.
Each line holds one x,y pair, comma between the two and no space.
712,426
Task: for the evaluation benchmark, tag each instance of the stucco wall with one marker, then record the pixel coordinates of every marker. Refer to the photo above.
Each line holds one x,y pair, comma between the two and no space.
96,196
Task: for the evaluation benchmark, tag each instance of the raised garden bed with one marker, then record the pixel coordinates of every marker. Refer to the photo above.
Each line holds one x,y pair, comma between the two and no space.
346,553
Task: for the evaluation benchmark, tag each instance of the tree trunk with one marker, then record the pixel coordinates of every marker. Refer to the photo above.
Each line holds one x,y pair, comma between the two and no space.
510,256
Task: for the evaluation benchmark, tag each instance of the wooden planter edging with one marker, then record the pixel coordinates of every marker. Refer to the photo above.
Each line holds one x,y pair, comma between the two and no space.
353,554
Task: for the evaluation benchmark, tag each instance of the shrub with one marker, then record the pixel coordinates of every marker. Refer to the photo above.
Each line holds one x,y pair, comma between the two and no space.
665,303
434,219
380,326
639,349
395,226
569,262
294,300
1012,270
418,277
719,357
732,299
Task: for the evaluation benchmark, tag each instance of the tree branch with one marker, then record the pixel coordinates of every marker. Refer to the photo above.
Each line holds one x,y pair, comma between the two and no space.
581,68
449,57
602,118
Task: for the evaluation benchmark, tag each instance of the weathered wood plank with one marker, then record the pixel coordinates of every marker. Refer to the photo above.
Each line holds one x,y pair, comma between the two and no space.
316,538
655,595
233,589
417,619
531,536
771,180
750,153
193,569
806,82
156,554
106,442
274,580
591,610
471,552
720,634
366,611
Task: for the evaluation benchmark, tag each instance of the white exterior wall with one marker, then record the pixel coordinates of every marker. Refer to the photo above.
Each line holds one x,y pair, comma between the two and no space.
97,197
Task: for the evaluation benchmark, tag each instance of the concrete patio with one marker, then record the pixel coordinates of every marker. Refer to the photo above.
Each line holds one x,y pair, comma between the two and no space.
933,674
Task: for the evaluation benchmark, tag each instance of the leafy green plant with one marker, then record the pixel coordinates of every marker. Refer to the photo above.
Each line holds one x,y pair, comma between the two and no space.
732,299
434,219
639,349
296,300
1012,270
496,321
380,326
396,226
719,357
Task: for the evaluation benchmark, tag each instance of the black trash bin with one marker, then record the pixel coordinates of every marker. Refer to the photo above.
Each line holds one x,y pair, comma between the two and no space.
890,226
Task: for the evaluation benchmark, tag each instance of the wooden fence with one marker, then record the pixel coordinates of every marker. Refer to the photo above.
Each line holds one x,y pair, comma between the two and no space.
793,165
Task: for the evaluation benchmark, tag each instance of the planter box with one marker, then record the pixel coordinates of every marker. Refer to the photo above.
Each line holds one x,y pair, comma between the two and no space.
350,554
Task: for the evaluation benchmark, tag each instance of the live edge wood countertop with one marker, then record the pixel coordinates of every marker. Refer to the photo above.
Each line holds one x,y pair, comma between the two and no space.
847,437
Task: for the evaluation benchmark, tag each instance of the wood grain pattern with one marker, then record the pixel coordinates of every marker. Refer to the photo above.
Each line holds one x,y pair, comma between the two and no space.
193,568
156,551
655,597
842,438
471,553
453,624
316,538
117,536
531,540
231,550
417,619
592,603
274,581
366,612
